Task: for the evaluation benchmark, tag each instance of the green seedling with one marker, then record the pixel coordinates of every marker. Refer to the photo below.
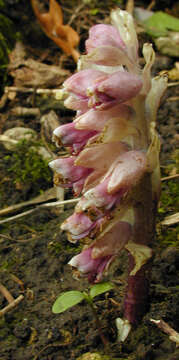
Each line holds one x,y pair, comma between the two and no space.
71,298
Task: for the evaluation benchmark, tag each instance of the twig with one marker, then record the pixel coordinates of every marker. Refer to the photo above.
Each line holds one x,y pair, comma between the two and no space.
18,281
6,294
51,345
56,203
173,84
18,216
3,101
151,5
13,304
5,237
170,177
29,90
25,112
173,335
76,13
47,195
171,220
173,98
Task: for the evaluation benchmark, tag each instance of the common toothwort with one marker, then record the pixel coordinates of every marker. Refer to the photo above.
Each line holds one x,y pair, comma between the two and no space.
113,157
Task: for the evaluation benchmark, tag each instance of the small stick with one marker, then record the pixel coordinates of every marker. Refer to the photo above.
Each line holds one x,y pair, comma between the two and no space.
170,177
76,13
151,5
29,90
173,98
173,335
18,281
170,220
13,304
56,203
25,112
3,101
173,84
6,294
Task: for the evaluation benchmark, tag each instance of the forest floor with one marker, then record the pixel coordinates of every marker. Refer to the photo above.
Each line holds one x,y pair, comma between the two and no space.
34,252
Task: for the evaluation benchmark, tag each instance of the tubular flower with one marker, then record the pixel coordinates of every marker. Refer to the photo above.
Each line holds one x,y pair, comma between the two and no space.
99,197
94,260
79,225
69,175
104,35
68,136
97,89
97,119
105,46
115,162
93,268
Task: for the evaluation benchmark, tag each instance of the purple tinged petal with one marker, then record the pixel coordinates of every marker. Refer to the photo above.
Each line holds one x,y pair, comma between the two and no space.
93,268
103,34
67,172
81,81
120,85
77,103
108,56
68,135
127,170
77,225
94,260
99,197
103,90
112,241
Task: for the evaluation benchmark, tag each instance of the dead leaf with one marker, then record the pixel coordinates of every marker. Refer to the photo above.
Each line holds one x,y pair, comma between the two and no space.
52,24
36,74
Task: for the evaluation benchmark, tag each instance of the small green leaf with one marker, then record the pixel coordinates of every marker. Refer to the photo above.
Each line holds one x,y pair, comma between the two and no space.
67,300
100,288
159,23
94,11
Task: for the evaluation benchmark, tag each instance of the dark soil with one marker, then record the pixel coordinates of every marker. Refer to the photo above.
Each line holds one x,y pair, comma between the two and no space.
35,252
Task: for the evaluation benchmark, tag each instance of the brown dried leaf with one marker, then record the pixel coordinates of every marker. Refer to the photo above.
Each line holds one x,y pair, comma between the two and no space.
52,24
37,74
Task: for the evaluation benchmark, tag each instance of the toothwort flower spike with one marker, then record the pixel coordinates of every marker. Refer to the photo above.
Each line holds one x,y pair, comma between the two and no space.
113,157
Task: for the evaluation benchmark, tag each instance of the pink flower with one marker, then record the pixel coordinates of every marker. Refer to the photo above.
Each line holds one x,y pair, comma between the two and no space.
104,35
68,174
93,268
80,225
93,261
98,197
126,171
96,119
99,157
68,135
101,90
106,47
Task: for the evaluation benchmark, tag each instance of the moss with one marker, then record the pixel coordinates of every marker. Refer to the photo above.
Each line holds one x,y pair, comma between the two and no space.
169,235
26,166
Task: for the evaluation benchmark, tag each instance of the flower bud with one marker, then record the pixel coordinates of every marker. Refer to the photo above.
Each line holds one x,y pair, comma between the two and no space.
102,34
67,173
93,268
102,90
68,135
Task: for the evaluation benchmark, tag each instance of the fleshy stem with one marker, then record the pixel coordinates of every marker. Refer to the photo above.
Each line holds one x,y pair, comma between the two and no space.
137,294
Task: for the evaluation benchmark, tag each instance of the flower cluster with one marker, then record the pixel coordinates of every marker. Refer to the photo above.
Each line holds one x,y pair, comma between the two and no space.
112,144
